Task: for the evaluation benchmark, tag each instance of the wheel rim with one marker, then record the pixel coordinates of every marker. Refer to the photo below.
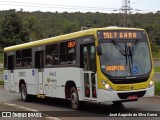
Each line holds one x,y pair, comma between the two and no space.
74,99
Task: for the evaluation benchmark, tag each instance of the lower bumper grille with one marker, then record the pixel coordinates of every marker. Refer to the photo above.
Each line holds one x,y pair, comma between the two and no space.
125,95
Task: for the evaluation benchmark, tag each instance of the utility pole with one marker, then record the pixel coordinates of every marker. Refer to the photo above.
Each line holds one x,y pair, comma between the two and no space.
125,12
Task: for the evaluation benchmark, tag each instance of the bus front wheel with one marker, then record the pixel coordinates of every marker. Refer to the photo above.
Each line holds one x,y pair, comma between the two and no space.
23,91
75,103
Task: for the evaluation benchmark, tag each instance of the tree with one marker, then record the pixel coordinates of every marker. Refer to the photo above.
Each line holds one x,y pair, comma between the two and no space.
32,25
12,31
69,27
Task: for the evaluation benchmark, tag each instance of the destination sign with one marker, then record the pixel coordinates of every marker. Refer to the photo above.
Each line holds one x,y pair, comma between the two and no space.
115,68
71,44
121,35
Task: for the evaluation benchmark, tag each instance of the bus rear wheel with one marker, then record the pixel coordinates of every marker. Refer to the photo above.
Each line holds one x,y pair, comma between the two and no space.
23,91
75,103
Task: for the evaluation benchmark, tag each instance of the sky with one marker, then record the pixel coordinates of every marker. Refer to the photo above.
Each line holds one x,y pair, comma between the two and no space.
105,6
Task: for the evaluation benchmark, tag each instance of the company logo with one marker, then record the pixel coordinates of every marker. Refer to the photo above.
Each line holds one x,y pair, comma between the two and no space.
21,114
49,80
6,114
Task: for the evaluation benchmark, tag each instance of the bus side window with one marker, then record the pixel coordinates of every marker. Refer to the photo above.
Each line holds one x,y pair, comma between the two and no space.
5,60
62,53
52,55
49,60
18,58
11,62
70,55
39,59
92,58
67,53
26,58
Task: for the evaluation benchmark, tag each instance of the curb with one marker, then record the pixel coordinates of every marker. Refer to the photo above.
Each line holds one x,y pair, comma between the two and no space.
46,117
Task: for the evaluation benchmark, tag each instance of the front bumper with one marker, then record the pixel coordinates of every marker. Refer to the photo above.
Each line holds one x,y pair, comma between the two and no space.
105,95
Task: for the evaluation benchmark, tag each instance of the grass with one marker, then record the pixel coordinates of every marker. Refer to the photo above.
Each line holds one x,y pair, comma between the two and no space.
157,69
156,55
1,82
157,88
1,57
1,69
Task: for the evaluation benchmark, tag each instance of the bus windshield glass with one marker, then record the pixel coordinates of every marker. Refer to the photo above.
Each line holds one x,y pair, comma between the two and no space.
125,55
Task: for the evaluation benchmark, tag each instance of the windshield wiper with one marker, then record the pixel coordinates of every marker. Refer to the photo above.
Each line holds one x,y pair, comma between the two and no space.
132,50
126,53
130,54
134,47
121,50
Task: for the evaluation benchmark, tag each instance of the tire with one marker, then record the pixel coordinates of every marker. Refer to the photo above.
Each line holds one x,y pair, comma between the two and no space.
74,99
23,91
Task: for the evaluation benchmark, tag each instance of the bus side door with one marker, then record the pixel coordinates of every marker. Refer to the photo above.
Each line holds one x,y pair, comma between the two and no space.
39,64
88,63
10,81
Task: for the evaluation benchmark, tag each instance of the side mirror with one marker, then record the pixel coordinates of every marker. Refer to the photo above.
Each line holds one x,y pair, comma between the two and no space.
99,50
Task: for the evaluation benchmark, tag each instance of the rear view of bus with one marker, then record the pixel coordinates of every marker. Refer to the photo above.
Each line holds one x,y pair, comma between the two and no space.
125,71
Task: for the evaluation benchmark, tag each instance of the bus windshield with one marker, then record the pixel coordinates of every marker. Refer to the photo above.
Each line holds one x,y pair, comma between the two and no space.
125,63
125,58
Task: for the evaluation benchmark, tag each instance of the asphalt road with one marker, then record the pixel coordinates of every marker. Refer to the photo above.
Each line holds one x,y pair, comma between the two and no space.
60,108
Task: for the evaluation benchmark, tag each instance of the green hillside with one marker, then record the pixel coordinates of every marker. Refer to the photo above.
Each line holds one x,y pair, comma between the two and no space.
19,26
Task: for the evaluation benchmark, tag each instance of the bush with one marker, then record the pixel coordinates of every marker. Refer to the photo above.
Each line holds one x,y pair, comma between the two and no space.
157,69
157,88
1,57
1,82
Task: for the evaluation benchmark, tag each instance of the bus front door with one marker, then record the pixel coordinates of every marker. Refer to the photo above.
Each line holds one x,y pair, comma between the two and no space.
39,64
11,73
88,63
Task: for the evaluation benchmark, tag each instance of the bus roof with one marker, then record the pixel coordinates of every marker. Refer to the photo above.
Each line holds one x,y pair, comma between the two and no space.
63,37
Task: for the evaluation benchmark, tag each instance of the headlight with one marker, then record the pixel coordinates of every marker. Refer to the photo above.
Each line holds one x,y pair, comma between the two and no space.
106,85
151,83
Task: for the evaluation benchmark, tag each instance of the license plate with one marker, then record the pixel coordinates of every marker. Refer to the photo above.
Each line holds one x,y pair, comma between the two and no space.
126,87
133,97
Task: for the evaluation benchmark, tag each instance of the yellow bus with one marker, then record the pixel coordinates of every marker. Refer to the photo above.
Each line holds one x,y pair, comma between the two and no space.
93,65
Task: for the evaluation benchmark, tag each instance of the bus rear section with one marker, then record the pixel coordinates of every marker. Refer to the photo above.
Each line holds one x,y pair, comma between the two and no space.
125,68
